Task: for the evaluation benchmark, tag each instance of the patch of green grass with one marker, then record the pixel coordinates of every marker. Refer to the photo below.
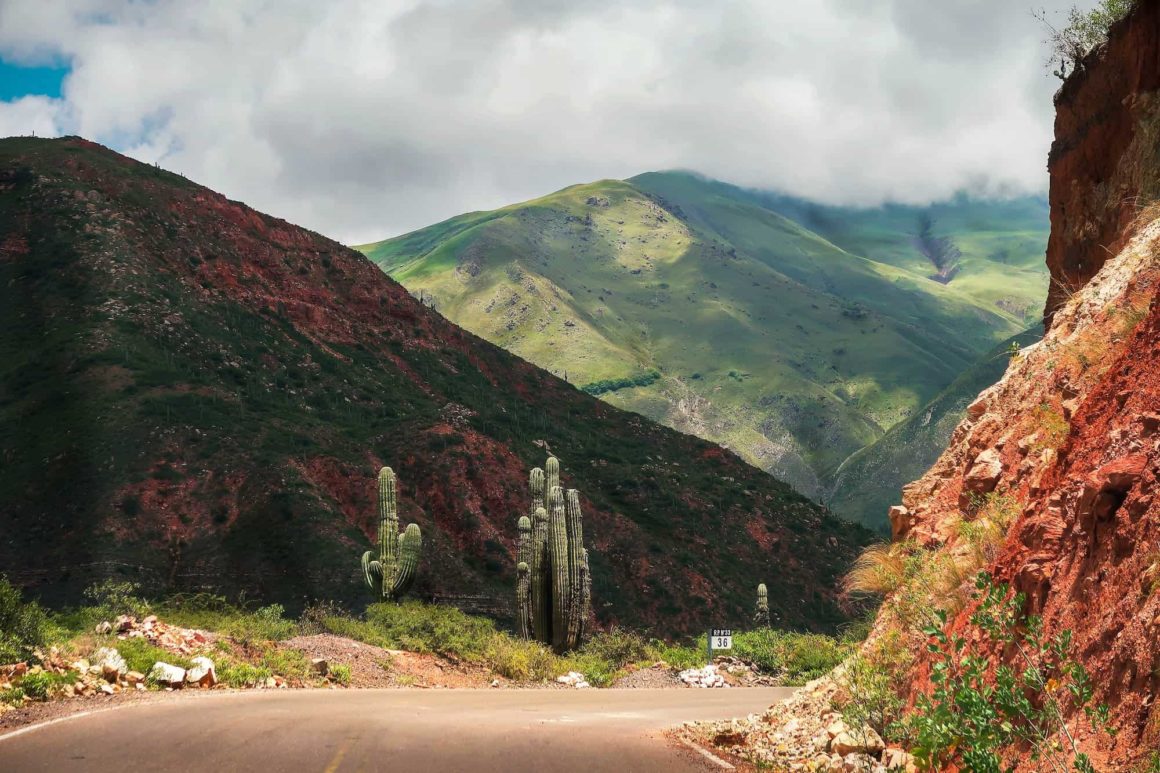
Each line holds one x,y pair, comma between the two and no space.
43,685
796,657
141,655
340,674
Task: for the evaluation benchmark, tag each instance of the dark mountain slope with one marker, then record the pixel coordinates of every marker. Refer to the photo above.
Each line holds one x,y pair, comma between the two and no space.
197,396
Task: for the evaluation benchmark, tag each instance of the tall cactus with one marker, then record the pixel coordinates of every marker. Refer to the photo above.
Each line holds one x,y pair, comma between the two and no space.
761,613
393,572
553,585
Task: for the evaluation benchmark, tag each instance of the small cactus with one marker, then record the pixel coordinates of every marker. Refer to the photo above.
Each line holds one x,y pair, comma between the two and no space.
761,613
393,572
553,584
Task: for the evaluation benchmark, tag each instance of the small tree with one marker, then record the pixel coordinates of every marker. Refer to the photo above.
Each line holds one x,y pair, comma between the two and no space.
1084,31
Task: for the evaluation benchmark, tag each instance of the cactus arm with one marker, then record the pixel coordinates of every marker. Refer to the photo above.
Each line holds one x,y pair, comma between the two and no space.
536,488
410,545
523,602
540,579
372,570
575,525
558,560
585,598
552,479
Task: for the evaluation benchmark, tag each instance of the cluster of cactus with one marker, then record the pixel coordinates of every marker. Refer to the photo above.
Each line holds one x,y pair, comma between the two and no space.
761,613
391,574
553,586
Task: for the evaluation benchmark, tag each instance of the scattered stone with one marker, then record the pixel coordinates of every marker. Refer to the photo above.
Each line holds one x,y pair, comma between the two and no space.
109,664
320,666
167,675
573,679
863,741
706,677
103,627
135,678
201,672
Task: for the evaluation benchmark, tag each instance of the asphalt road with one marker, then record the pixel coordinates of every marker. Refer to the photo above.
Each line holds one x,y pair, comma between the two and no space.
344,731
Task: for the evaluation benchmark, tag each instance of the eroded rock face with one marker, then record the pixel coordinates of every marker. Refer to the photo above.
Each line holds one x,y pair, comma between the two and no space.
1102,161
1067,438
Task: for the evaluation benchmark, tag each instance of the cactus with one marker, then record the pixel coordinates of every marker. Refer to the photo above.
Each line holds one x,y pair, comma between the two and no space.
393,572
761,613
553,584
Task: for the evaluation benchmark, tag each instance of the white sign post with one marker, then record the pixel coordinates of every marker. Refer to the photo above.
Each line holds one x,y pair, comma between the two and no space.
720,639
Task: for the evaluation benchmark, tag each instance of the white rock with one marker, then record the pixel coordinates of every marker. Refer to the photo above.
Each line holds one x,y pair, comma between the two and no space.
109,663
166,674
201,672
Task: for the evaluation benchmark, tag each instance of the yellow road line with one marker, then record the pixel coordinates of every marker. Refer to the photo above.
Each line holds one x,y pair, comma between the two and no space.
342,750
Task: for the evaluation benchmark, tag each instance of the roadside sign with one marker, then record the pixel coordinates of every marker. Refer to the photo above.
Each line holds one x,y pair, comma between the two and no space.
721,639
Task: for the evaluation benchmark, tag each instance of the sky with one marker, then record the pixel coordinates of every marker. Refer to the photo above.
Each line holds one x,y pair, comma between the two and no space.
363,119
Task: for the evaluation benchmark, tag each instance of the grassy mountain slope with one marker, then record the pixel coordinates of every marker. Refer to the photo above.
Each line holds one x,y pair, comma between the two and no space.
198,396
871,480
697,305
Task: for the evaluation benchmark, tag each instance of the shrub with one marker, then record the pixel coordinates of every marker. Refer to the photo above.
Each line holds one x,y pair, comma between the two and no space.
42,685
523,661
340,674
875,679
879,570
420,627
112,598
795,657
234,674
1084,31
977,711
22,625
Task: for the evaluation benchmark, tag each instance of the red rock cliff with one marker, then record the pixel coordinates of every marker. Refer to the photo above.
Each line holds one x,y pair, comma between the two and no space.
1105,160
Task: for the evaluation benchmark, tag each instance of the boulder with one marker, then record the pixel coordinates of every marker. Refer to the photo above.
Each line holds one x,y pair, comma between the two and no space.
897,759
863,741
901,521
320,666
201,672
109,664
167,675
984,473
135,678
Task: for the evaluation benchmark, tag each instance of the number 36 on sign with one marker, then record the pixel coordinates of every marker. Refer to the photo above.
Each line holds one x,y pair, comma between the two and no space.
721,639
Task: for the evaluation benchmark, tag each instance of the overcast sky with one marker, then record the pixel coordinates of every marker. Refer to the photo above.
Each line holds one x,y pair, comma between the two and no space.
367,118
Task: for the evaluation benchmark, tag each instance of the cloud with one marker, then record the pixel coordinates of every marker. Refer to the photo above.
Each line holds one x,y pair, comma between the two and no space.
364,118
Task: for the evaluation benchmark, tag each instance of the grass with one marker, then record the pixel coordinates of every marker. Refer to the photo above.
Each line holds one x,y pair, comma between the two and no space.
23,625
605,292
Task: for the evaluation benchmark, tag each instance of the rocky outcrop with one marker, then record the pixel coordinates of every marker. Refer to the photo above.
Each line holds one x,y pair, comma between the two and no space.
1104,162
1069,437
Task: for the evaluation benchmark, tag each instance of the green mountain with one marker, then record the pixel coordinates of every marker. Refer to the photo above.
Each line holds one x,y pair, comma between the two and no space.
792,333
869,482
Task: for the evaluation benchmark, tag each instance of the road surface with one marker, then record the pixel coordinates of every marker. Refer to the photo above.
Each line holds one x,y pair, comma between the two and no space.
345,731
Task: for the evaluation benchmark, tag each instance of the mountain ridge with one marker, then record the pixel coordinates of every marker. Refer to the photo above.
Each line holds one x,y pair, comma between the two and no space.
763,335
229,384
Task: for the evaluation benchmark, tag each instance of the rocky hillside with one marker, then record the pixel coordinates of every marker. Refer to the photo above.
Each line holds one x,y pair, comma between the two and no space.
1071,434
869,481
197,396
793,333
1050,485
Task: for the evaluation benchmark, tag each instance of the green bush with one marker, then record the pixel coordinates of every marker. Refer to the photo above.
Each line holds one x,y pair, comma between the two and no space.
523,661
22,625
238,675
214,613
419,627
977,710
13,696
112,598
796,657
340,674
615,384
44,684
1085,30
